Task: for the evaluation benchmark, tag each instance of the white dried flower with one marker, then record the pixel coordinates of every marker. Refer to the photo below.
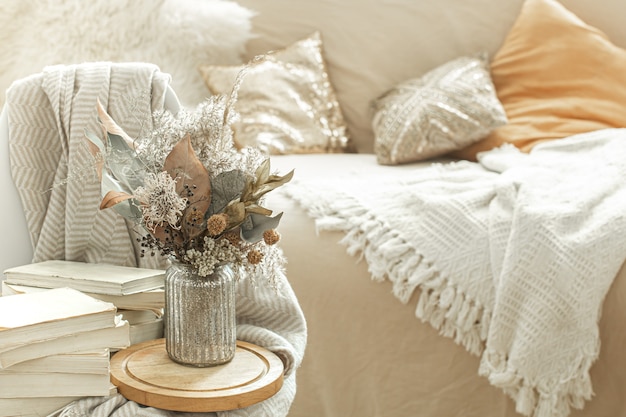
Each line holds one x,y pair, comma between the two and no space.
159,200
213,253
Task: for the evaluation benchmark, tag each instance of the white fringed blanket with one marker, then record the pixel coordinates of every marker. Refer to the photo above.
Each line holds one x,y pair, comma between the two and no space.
513,256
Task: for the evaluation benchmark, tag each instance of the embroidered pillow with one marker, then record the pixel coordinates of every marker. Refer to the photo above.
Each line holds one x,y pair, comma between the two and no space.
286,102
447,109
556,76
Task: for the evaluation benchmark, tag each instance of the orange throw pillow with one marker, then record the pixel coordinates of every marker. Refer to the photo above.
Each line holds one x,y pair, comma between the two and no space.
556,76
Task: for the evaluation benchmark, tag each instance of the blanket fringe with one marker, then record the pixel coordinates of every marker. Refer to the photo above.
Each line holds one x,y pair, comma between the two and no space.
447,309
454,315
533,400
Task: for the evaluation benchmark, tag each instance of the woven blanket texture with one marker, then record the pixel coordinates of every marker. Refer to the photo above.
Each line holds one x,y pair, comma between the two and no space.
513,256
48,115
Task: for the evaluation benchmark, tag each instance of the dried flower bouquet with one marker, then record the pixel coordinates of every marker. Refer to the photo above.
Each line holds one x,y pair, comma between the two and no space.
198,197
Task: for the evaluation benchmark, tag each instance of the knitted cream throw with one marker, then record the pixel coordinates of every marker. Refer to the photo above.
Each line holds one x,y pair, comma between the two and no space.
48,114
513,265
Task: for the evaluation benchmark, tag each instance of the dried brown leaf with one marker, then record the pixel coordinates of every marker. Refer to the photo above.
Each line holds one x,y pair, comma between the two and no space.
112,198
112,127
192,179
236,211
94,150
263,172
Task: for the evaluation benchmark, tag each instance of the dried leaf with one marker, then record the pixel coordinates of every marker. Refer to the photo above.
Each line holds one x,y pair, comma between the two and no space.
112,198
248,189
184,166
95,140
96,149
124,164
260,224
236,211
112,127
273,182
192,178
225,188
263,172
166,232
192,221
255,208
129,208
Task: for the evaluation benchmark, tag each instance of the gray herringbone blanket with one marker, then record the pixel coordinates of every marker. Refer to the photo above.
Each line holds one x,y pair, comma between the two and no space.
48,114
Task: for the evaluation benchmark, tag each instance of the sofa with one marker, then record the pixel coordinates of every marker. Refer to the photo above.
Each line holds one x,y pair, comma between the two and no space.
367,353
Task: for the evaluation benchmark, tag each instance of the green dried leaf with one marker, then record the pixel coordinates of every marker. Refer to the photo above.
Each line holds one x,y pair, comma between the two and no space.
260,224
127,208
113,128
225,188
96,141
123,163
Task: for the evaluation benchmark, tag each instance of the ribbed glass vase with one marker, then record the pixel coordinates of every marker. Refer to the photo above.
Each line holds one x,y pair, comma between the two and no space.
199,320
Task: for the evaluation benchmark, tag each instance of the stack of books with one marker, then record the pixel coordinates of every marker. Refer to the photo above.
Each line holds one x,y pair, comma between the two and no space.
54,348
59,323
130,289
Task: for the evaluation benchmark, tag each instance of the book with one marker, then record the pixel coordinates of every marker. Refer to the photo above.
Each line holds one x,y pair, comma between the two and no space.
33,407
38,406
146,300
114,338
99,278
139,316
149,330
86,362
28,318
53,384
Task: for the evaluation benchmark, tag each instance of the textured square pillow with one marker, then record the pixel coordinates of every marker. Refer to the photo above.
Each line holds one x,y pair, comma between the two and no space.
286,102
556,76
446,109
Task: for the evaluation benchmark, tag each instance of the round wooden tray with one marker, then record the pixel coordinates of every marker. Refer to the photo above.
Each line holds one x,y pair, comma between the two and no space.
144,373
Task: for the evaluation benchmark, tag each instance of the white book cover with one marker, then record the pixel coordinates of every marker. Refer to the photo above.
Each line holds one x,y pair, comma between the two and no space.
89,362
139,316
114,338
38,406
24,385
99,278
28,318
142,332
33,407
153,300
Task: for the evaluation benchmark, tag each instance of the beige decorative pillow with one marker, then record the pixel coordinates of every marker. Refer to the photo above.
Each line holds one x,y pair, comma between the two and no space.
286,102
447,109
